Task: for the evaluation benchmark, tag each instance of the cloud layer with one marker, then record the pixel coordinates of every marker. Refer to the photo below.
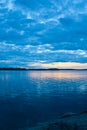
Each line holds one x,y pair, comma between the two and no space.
42,31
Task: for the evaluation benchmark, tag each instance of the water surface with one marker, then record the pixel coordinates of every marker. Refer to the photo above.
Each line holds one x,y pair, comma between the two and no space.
30,97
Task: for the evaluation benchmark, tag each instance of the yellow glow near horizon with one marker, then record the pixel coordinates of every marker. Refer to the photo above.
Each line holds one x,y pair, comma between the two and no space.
61,65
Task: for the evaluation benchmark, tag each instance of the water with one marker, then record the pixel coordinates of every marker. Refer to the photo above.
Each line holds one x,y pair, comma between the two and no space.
30,97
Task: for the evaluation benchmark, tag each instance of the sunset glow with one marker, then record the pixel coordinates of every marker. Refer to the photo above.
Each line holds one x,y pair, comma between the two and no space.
61,65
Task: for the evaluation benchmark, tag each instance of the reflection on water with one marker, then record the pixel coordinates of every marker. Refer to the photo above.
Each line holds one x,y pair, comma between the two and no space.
57,74
30,97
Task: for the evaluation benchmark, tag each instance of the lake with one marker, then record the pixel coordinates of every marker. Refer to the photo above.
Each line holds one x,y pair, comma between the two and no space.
31,97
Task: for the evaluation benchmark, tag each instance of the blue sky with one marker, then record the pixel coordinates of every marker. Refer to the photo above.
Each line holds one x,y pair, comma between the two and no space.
43,33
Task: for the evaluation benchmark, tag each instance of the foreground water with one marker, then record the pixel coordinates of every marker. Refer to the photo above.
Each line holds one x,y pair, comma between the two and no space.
31,97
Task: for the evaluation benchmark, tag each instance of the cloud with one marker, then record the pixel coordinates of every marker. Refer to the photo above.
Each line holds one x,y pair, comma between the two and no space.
6,61
46,30
10,4
7,4
45,53
38,49
61,65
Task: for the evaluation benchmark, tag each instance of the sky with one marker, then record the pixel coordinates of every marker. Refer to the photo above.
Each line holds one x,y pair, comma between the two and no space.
43,33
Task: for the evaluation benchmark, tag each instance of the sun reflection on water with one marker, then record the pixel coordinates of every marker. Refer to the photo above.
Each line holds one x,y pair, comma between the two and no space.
57,74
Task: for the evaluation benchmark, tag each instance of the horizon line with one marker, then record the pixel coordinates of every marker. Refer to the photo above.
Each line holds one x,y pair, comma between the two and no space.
23,68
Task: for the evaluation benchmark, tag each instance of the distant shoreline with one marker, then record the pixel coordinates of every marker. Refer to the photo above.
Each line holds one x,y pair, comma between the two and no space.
43,69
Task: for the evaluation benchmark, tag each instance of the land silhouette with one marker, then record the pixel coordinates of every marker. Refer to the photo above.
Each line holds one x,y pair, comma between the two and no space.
37,69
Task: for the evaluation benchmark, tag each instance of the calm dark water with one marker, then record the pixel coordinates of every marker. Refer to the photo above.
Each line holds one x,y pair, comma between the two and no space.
30,97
